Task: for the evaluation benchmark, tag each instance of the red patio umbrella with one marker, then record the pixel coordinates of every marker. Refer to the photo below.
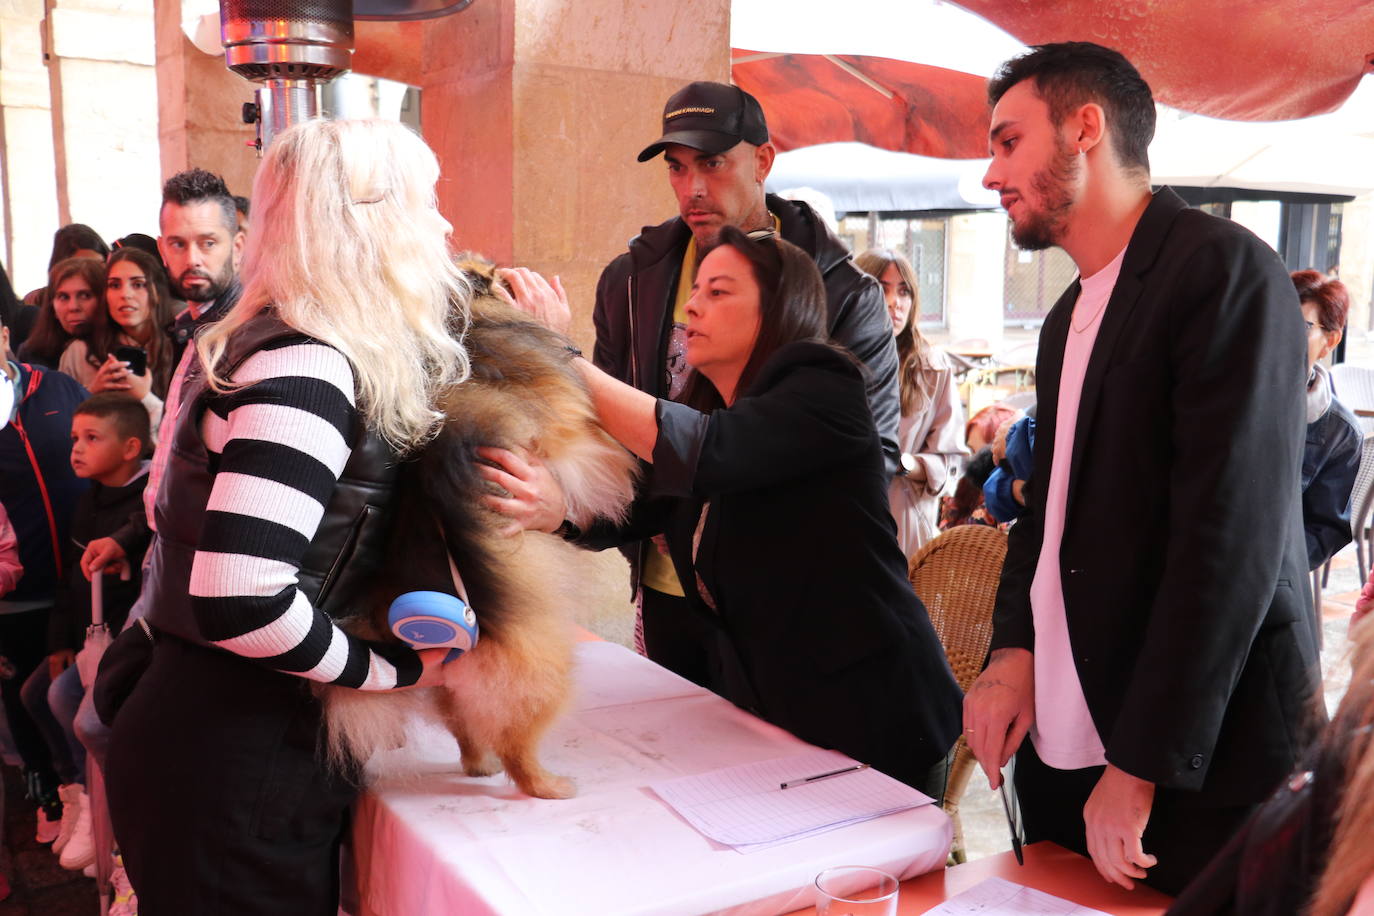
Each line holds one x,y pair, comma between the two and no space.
1236,59
892,104
1246,60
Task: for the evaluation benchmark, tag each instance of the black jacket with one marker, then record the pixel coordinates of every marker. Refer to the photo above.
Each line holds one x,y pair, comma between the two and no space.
1182,560
634,300
347,547
99,511
820,630
1330,463
37,485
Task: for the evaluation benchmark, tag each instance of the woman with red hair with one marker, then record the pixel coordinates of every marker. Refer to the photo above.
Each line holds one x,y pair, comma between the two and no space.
1332,455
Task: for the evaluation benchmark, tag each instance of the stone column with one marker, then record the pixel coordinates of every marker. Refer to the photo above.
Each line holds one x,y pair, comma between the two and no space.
200,108
28,187
104,104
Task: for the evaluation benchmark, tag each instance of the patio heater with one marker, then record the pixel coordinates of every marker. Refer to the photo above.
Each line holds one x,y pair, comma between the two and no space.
293,47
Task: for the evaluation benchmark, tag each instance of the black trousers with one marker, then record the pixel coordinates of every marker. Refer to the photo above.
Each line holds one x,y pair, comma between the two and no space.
1184,831
24,641
678,639
219,801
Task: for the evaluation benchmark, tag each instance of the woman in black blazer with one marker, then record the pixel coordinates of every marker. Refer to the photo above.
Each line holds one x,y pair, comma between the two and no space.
780,519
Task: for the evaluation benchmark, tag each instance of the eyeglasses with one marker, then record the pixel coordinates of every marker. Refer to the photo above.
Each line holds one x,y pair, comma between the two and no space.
1313,324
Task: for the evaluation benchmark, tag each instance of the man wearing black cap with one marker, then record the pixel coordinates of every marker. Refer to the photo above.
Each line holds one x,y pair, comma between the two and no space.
715,142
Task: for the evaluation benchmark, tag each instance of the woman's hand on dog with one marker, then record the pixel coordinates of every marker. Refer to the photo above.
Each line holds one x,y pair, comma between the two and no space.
546,302
535,498
432,674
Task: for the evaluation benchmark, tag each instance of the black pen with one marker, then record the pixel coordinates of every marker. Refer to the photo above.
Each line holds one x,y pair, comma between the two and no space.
1011,823
819,776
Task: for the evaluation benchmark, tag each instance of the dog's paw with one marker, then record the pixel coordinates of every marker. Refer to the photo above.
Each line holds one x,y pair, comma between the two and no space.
485,764
548,785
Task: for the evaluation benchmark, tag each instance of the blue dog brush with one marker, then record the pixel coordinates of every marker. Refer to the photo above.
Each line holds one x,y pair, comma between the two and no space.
434,620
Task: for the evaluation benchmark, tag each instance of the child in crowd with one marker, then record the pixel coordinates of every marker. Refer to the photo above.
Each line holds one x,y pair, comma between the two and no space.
965,506
39,493
110,439
11,570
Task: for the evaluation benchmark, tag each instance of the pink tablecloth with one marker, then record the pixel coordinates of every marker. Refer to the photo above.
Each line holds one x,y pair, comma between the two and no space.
438,842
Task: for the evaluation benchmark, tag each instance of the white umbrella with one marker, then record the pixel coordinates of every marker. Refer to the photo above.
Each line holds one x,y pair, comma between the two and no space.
87,662
861,178
1326,154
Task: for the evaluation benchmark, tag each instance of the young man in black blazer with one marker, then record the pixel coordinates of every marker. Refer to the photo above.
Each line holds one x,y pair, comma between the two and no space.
1152,632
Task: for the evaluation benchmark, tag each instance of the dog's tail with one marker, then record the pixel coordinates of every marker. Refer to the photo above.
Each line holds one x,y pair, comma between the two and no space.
361,723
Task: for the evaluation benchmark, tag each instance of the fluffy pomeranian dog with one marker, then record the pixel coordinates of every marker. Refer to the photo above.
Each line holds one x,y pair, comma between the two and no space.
503,694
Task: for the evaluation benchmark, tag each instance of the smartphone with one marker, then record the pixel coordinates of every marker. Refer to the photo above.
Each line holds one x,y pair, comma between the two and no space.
136,357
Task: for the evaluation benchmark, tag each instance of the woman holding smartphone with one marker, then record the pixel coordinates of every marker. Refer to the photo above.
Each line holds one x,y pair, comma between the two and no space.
137,309
127,349
140,309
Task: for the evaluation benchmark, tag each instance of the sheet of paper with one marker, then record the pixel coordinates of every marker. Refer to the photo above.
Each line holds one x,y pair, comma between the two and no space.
608,675
998,897
744,806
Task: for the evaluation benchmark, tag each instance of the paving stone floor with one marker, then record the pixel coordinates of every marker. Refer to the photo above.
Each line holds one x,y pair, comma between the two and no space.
38,885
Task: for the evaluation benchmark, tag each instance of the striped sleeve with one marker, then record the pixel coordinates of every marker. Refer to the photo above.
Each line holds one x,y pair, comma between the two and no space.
279,444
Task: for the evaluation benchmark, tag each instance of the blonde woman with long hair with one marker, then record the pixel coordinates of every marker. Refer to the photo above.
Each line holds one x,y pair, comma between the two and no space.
292,419
930,432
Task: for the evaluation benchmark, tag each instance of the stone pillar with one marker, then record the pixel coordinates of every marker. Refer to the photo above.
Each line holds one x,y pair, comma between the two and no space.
200,108
28,187
974,277
537,109
104,104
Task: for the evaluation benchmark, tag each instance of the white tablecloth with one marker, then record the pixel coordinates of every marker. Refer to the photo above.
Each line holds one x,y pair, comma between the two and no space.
438,842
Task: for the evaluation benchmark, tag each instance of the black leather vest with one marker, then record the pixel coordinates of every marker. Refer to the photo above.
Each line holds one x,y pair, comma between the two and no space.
346,550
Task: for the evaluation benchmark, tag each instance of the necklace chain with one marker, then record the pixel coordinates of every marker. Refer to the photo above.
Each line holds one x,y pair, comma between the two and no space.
1077,330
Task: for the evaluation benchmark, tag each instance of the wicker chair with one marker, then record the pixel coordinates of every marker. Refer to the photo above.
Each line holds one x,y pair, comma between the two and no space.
1361,501
956,577
1355,387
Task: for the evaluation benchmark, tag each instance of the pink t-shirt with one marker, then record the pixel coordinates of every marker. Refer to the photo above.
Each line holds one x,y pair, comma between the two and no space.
1064,734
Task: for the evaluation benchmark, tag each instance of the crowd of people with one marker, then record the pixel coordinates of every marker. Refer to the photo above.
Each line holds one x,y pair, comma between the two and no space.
90,364
196,420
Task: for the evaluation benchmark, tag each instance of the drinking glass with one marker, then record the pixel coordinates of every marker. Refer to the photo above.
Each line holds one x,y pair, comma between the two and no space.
855,890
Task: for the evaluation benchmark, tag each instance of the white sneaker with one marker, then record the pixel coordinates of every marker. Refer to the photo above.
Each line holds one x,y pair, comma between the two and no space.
47,830
70,794
80,849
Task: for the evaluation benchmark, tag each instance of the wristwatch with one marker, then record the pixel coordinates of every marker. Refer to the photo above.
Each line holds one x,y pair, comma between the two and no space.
908,462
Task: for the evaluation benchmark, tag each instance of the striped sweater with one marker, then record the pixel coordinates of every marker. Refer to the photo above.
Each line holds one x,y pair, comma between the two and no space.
277,445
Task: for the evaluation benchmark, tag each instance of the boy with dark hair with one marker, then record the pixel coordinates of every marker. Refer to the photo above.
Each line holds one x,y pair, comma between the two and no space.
110,437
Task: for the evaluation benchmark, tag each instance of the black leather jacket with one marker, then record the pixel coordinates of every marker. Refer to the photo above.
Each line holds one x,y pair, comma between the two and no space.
347,548
635,294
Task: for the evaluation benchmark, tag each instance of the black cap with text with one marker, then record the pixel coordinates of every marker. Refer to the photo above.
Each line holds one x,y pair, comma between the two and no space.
711,117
